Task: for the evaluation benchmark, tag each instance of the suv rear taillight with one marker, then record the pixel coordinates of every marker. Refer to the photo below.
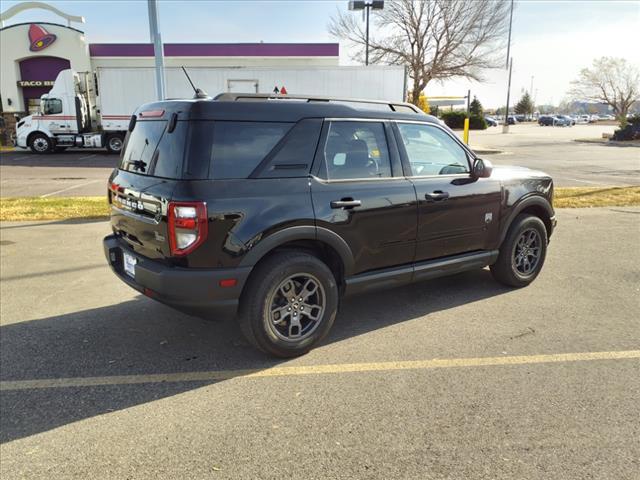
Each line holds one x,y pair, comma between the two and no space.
188,226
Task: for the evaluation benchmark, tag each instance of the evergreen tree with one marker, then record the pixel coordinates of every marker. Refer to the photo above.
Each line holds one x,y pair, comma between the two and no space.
525,105
476,107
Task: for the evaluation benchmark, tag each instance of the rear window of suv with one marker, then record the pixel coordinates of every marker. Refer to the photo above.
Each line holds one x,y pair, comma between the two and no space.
151,150
227,150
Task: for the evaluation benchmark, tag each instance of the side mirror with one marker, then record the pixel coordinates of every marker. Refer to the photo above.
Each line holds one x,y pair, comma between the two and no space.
482,168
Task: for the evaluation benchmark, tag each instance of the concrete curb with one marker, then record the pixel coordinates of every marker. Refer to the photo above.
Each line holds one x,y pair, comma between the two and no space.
609,143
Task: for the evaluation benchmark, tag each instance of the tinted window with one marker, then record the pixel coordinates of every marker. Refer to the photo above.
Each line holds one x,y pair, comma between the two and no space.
431,151
294,155
140,146
356,150
167,160
52,106
224,150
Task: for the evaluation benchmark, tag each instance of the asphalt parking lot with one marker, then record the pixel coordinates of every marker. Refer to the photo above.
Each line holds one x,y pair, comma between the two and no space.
555,151
456,378
85,172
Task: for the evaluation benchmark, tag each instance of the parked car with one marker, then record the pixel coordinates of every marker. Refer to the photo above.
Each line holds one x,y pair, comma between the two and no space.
565,120
491,122
273,209
546,120
512,120
582,119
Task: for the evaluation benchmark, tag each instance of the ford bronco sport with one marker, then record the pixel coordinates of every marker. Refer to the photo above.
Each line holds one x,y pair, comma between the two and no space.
274,209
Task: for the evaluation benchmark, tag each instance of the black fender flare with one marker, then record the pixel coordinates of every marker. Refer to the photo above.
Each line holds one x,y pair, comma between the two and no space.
301,232
529,201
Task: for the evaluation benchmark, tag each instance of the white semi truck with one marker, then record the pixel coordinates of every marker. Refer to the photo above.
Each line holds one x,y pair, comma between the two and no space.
93,109
70,116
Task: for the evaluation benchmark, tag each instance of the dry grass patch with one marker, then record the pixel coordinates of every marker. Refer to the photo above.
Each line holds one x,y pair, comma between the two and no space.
580,197
52,208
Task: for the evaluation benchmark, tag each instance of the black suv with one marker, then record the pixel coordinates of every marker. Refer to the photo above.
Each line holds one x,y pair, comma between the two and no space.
274,209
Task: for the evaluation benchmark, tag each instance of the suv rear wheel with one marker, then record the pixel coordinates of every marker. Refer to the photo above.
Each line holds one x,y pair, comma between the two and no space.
289,304
522,253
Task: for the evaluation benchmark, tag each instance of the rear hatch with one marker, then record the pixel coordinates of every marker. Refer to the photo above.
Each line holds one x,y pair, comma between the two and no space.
142,186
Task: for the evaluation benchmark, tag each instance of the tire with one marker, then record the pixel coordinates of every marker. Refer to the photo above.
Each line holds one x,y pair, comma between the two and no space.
114,143
268,306
523,252
40,144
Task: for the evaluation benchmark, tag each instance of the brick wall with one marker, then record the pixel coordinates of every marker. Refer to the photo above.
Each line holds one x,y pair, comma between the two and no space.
7,128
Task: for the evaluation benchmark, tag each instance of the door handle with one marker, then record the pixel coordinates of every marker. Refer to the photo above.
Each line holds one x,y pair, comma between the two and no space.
436,196
346,203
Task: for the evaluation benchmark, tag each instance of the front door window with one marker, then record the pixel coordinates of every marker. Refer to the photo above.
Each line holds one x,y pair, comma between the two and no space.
431,151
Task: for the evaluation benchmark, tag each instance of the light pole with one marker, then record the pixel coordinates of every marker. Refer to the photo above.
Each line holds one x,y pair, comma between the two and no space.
505,125
366,5
154,32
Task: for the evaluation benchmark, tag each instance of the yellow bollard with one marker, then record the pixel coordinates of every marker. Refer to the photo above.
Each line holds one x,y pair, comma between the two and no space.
465,135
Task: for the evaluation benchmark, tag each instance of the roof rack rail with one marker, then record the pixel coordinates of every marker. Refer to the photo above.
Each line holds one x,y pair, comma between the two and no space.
235,97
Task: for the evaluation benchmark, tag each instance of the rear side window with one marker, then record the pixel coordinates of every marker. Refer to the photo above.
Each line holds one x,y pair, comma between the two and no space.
140,146
292,157
226,150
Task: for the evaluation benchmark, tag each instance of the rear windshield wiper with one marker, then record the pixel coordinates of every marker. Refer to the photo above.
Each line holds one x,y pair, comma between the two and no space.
138,165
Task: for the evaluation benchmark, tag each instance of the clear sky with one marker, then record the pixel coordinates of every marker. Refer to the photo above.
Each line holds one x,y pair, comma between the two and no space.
552,40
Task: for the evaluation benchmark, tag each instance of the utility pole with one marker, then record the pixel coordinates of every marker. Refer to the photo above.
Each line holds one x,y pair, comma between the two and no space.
509,41
505,125
531,88
366,54
156,39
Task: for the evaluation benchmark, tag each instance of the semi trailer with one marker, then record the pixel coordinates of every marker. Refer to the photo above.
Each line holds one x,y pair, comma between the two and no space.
93,109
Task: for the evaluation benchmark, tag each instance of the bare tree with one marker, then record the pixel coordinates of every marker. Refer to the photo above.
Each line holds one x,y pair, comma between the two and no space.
435,39
610,80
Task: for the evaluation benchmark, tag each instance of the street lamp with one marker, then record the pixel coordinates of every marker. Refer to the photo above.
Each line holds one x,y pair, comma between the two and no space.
366,5
505,126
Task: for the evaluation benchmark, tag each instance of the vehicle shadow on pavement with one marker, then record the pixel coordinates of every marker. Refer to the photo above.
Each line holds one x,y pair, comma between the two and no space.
141,337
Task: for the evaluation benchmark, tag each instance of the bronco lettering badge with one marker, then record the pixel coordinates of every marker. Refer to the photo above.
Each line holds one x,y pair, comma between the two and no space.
131,204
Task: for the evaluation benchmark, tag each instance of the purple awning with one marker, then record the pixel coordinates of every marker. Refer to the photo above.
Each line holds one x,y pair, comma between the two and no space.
217,49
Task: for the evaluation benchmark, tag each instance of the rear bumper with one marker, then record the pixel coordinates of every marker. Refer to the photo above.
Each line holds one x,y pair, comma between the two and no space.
194,291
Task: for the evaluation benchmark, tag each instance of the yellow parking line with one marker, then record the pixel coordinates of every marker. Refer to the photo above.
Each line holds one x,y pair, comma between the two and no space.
217,375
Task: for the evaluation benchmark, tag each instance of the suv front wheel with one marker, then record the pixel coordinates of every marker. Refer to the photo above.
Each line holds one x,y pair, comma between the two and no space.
522,253
289,304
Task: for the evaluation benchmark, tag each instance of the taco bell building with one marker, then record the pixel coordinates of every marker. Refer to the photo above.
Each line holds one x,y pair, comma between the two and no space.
33,53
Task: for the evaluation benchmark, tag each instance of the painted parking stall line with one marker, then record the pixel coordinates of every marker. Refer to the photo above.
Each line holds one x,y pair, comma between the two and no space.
72,187
219,375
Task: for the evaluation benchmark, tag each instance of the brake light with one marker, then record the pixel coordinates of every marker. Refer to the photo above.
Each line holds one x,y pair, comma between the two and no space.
188,226
151,114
